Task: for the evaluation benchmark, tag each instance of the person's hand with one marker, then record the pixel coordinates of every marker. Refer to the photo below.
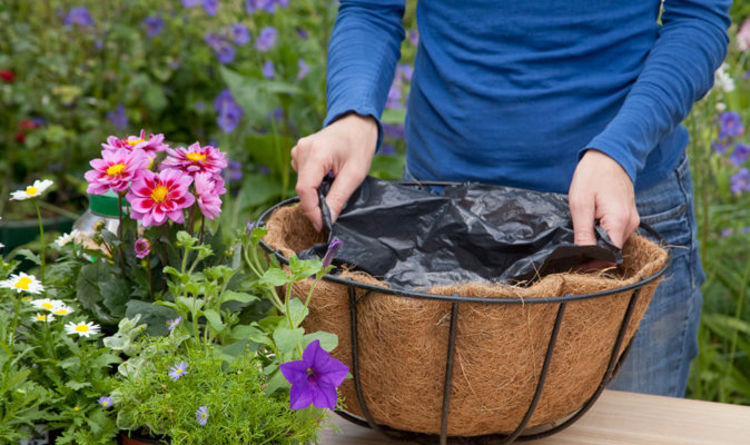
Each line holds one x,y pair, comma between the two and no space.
601,189
346,148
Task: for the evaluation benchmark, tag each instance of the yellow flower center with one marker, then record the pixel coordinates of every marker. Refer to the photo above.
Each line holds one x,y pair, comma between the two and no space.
82,328
178,371
196,157
76,408
31,190
61,312
116,169
159,194
48,306
134,142
41,317
23,283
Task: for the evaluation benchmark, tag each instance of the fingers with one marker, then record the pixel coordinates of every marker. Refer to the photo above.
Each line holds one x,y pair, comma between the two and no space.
620,223
310,173
344,184
582,211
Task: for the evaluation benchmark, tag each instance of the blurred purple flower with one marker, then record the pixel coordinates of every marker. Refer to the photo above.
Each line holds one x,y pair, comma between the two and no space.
153,25
172,324
210,6
278,114
177,371
189,3
414,37
394,96
105,401
746,75
78,16
739,155
240,34
314,379
266,39
719,147
726,232
740,182
118,117
405,71
212,39
302,34
268,70
201,415
388,150
264,170
396,131
304,69
142,248
229,111
233,172
731,125
224,52
99,44
252,6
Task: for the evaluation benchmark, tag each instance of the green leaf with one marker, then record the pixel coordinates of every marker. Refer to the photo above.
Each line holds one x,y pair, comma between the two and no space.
29,255
257,234
287,339
214,319
258,189
185,240
297,311
188,304
76,386
155,317
301,269
116,293
276,382
252,333
274,277
242,297
328,341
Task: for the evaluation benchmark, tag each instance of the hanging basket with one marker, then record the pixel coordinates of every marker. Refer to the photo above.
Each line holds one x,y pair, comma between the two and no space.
479,361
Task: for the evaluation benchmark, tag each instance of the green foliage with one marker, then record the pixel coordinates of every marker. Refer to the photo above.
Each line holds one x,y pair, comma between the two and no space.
239,411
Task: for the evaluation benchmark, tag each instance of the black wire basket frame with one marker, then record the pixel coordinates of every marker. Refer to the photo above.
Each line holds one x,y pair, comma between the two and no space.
359,291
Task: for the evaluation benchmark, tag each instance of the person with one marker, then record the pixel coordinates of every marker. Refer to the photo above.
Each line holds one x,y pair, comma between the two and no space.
583,97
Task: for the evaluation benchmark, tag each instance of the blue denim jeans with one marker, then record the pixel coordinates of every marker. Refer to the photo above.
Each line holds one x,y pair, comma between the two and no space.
667,339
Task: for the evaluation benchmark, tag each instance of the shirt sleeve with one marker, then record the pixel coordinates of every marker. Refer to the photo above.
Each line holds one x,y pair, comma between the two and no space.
679,70
362,55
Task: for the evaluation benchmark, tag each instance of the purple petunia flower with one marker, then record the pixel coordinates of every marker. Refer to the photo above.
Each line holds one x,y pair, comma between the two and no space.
333,247
210,6
201,415
314,379
740,182
78,16
177,371
118,117
266,39
240,34
172,324
153,25
268,70
304,69
730,125
105,401
739,155
142,248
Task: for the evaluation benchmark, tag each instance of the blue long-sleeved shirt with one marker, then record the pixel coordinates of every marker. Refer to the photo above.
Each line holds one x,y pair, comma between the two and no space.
513,92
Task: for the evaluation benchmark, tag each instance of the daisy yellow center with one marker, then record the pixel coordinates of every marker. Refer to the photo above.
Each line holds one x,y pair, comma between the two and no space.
23,283
134,142
178,371
159,194
31,190
41,317
203,415
196,157
76,408
116,169
61,312
82,328
48,306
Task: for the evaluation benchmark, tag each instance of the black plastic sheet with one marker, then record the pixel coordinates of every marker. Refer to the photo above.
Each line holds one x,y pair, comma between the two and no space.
414,238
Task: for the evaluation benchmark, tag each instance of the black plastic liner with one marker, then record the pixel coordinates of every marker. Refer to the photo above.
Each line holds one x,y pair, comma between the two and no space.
413,238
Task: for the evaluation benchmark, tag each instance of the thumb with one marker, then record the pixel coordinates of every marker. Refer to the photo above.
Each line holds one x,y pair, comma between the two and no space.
582,210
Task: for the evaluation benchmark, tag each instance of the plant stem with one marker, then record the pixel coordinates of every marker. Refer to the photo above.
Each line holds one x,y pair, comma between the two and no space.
44,243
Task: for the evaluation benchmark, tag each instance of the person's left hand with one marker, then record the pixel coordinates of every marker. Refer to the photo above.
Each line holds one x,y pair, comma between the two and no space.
601,189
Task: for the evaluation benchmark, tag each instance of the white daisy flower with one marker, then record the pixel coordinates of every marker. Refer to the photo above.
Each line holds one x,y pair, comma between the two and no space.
43,317
33,191
47,304
63,240
23,283
62,310
82,328
723,80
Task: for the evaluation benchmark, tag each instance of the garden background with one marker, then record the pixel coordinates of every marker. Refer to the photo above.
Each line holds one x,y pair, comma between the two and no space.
249,77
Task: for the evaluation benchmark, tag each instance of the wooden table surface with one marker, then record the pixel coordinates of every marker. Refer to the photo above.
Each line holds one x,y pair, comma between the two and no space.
617,418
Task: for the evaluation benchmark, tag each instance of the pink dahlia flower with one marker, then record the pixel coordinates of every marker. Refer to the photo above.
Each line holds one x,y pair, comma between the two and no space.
154,197
208,189
115,170
153,144
195,159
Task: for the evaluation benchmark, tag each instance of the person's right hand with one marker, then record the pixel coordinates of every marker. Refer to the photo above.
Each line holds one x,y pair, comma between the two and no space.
346,148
